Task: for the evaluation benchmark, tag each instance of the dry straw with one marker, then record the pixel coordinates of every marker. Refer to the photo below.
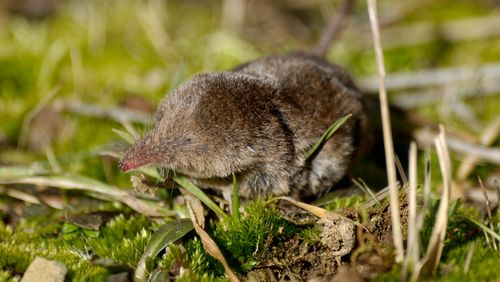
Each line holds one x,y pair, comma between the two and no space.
386,125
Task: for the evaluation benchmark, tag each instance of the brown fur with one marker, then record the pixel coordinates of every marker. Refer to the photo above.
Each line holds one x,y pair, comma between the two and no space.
258,121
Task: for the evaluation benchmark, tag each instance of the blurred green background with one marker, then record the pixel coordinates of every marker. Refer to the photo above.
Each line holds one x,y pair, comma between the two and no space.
71,71
56,53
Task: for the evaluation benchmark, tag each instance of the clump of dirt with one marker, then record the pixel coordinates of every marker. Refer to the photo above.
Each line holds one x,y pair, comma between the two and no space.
380,224
361,251
297,259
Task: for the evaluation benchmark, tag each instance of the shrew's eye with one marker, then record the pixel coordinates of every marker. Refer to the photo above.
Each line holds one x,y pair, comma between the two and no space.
186,141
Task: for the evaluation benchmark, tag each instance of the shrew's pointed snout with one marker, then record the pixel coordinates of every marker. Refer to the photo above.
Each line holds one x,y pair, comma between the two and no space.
124,165
134,159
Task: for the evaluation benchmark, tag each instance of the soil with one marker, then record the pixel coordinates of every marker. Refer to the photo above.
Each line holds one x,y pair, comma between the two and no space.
298,259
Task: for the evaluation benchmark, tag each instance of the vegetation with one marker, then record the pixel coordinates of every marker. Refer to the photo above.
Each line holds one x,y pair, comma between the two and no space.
75,85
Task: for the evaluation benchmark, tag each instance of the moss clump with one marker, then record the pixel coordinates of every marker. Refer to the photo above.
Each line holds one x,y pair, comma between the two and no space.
122,239
353,201
196,263
260,226
17,251
483,266
241,241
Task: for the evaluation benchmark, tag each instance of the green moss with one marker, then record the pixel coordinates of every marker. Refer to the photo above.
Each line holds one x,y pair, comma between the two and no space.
197,264
122,240
483,267
241,242
202,265
353,201
6,276
260,226
311,234
17,251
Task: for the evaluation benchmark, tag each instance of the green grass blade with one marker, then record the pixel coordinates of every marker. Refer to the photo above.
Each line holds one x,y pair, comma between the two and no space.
188,185
127,137
95,187
363,186
236,201
328,134
483,227
14,172
160,239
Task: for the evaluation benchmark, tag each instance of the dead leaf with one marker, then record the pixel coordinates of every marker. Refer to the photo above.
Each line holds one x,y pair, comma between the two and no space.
209,244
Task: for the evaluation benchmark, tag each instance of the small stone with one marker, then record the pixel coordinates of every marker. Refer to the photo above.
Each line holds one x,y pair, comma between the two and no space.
338,234
43,270
119,277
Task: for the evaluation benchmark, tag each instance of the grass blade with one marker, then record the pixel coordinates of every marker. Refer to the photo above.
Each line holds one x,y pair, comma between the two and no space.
483,227
363,186
436,243
209,244
127,137
198,193
397,234
103,190
328,134
236,201
412,249
160,239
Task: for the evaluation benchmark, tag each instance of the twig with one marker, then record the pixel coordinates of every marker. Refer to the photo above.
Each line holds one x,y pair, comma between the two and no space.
435,77
334,28
386,124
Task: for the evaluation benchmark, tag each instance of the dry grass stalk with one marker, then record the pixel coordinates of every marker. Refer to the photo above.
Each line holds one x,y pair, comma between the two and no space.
486,74
488,212
16,194
427,188
317,211
386,124
489,135
233,14
118,114
419,98
52,159
152,18
468,258
96,188
489,154
416,33
208,243
334,28
432,258
23,136
401,171
412,249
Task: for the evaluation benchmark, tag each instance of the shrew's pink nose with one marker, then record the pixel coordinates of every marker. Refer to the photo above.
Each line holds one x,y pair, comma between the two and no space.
125,166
